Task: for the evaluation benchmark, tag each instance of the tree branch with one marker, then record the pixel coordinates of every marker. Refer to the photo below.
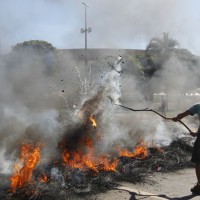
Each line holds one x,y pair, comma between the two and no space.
151,110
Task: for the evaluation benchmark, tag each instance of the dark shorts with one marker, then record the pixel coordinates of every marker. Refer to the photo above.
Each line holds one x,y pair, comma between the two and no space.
196,151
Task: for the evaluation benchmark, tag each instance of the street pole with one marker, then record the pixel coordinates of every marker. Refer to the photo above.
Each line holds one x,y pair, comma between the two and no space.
85,27
85,30
0,45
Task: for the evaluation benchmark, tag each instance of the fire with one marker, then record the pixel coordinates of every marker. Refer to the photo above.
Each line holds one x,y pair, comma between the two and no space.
85,158
88,161
94,124
77,159
43,178
81,159
160,150
106,165
28,159
140,152
73,159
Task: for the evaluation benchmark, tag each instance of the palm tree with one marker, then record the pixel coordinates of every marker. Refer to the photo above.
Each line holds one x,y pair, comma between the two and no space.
159,49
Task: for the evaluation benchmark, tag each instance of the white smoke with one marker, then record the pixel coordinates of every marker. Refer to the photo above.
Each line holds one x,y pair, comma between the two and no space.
22,126
29,113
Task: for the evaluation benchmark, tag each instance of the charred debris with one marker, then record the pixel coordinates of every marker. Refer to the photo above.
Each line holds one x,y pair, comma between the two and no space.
61,182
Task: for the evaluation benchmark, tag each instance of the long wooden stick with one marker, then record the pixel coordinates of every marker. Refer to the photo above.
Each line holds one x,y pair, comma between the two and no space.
151,110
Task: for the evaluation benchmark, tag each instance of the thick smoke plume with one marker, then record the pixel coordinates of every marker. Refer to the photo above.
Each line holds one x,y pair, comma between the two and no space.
41,103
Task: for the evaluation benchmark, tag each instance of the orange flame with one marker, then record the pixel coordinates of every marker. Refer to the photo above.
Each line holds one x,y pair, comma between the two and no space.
78,159
29,157
94,124
43,178
84,156
86,159
160,150
140,152
108,166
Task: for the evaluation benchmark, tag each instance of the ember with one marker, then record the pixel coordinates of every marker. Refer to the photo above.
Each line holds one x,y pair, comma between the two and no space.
94,124
43,178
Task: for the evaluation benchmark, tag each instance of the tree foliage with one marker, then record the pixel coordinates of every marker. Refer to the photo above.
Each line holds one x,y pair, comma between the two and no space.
34,53
158,51
39,47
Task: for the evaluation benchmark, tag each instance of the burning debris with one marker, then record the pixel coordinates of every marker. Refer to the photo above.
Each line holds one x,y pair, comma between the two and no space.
83,167
140,152
29,158
83,164
76,175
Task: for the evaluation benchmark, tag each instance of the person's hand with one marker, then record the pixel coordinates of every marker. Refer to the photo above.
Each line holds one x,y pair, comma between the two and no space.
175,119
193,134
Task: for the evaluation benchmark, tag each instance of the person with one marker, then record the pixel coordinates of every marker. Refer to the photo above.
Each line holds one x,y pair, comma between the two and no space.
194,110
163,106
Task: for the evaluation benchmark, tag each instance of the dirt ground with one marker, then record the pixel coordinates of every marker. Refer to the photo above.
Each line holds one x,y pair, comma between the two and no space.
172,186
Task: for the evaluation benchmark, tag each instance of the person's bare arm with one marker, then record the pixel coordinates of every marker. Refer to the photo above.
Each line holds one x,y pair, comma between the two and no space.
181,115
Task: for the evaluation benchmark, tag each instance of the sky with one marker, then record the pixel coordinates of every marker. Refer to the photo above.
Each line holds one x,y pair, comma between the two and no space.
127,24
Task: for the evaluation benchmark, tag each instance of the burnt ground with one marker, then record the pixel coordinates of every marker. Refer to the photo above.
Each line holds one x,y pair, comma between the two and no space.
132,171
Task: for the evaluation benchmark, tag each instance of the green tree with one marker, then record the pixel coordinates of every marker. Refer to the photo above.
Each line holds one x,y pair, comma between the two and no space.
39,47
158,51
33,53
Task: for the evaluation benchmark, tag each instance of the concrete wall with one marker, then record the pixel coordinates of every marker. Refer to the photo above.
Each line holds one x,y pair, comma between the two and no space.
93,54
